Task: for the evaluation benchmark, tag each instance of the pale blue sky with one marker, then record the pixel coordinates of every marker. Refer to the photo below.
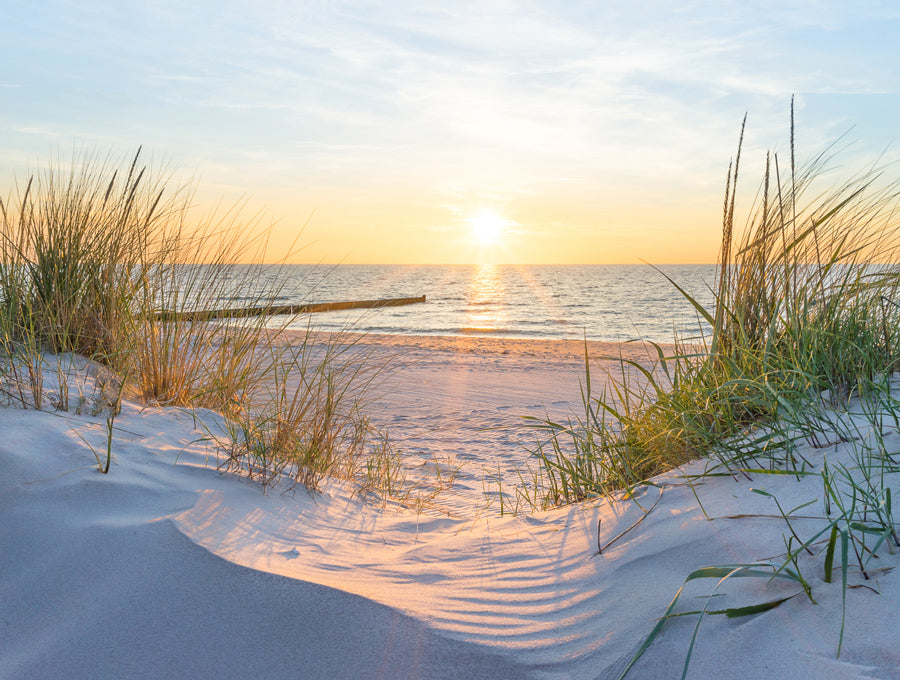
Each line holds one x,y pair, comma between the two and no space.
597,131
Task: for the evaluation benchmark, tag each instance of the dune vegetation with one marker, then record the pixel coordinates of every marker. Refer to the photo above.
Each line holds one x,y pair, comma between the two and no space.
91,253
807,307
801,354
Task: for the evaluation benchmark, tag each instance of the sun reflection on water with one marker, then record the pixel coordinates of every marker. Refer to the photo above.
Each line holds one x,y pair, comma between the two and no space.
485,308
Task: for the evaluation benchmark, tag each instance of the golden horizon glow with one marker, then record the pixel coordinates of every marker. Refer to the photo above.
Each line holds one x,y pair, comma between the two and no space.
336,227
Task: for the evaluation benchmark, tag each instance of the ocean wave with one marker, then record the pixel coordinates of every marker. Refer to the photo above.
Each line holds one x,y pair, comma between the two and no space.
605,301
476,330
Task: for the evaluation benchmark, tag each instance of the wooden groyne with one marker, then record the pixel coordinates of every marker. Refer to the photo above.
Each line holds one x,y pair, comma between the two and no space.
272,310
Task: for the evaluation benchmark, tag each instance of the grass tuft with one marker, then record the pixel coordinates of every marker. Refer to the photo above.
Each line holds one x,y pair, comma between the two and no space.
800,348
90,255
807,306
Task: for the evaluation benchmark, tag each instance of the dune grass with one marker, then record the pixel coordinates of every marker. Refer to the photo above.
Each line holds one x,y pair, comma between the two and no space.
90,252
801,348
807,303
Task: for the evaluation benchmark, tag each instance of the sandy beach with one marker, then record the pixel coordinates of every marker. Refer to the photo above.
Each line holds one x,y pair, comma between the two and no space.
461,402
167,567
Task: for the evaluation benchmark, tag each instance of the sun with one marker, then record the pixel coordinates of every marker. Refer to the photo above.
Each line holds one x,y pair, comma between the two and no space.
487,228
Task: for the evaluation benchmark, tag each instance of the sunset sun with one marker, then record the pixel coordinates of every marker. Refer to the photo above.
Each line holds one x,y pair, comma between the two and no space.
487,228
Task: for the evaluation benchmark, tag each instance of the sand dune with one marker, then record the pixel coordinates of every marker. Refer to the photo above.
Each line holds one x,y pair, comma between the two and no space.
167,568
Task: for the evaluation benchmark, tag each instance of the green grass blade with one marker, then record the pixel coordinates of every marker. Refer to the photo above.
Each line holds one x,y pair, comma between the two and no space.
701,310
829,553
645,645
845,561
750,610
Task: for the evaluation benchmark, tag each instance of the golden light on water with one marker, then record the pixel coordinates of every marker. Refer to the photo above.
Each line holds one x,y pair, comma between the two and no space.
484,312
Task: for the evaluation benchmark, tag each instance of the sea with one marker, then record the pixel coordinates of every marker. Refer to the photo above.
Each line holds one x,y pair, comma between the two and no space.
598,302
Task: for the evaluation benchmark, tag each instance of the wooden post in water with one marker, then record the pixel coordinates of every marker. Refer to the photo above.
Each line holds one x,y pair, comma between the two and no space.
272,310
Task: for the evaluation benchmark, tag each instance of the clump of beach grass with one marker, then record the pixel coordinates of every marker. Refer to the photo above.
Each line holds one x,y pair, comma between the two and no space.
807,302
74,242
801,352
110,263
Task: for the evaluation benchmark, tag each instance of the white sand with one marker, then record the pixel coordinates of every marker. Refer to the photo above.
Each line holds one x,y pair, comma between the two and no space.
165,568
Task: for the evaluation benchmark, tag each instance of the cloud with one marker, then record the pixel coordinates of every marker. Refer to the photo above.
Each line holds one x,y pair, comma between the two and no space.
497,95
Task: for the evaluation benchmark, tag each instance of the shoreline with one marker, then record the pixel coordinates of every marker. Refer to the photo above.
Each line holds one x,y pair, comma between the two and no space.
540,348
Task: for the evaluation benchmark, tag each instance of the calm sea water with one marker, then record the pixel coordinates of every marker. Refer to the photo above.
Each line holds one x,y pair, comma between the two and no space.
604,302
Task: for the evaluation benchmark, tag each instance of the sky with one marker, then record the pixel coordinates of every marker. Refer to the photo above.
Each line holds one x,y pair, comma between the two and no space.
453,132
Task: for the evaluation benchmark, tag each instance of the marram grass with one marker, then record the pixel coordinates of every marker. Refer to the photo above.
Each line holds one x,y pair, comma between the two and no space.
90,252
802,349
807,301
